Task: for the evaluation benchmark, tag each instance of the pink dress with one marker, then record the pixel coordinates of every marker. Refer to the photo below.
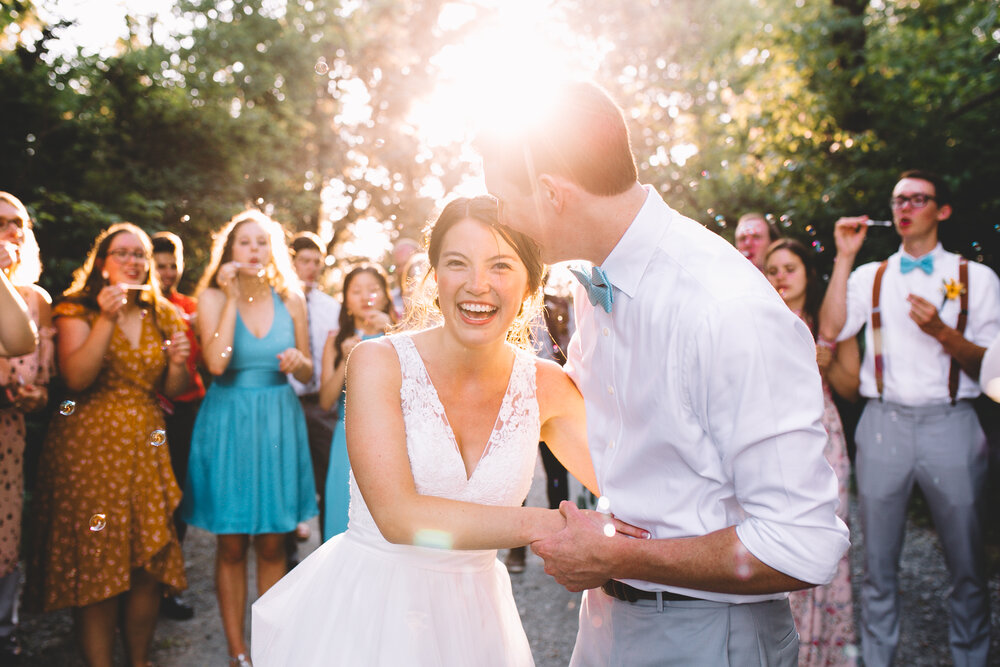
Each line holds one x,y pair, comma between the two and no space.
31,369
824,615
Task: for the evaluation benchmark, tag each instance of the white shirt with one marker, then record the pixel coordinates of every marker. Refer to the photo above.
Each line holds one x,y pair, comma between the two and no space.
704,401
323,312
916,367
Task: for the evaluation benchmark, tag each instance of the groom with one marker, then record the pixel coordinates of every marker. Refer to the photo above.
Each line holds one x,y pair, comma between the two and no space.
703,408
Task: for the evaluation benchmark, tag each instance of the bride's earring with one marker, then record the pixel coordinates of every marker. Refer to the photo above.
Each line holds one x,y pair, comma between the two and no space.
105,274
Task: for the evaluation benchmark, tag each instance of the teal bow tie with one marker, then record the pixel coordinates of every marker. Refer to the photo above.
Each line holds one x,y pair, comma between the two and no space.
598,286
925,264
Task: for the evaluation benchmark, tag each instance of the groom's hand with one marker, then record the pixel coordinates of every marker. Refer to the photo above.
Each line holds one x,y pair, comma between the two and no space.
582,555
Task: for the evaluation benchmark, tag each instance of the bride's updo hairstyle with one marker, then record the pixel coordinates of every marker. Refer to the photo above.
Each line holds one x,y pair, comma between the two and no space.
484,209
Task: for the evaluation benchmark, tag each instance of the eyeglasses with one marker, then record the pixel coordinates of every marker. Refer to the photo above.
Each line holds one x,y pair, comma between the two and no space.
915,201
121,255
7,222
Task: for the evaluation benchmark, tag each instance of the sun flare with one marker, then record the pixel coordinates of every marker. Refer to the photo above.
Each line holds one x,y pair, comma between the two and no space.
522,44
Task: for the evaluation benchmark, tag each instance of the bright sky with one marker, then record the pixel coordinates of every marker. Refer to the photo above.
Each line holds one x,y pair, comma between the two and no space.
101,22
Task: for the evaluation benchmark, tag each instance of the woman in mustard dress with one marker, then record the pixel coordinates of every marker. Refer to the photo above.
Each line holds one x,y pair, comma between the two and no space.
105,541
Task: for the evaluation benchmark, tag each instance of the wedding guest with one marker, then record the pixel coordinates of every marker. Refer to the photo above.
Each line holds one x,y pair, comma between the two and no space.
703,405
824,615
367,313
249,474
928,316
412,281
18,335
402,250
104,540
753,236
23,389
322,314
180,412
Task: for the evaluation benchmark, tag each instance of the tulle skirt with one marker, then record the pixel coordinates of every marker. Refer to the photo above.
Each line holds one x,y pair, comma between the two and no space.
359,600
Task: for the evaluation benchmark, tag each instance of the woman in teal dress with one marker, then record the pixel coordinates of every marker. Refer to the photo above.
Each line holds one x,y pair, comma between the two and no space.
366,313
249,473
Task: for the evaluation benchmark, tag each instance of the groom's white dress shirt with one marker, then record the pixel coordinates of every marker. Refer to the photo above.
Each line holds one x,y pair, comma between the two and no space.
704,401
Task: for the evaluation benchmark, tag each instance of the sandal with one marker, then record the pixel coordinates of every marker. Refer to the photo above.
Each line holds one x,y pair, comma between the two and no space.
302,532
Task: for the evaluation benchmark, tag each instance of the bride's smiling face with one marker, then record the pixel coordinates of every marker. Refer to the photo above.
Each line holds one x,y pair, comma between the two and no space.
481,281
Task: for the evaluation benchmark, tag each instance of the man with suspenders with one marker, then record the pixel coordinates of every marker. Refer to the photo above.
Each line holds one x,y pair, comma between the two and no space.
929,316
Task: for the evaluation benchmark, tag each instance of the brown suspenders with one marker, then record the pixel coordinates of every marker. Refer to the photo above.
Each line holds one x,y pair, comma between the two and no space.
963,316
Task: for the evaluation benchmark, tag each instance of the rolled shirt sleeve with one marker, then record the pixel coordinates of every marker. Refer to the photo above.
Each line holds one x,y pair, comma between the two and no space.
753,377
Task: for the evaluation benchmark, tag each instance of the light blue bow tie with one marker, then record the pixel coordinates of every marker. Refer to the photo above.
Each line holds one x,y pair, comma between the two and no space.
925,264
598,286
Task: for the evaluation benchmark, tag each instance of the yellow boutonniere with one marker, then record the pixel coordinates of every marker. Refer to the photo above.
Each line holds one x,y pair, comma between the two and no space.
952,289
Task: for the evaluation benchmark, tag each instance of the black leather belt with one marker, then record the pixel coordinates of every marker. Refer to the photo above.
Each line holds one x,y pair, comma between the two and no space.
624,592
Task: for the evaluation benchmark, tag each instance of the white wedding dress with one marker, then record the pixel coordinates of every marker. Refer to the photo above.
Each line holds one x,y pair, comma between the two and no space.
359,600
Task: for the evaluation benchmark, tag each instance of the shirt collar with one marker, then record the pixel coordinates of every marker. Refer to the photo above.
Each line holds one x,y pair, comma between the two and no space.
629,258
936,252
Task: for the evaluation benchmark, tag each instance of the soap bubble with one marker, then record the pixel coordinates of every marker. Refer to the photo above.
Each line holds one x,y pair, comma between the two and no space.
66,408
98,522
157,437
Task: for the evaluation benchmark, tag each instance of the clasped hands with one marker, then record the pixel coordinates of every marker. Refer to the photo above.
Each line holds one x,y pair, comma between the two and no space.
581,555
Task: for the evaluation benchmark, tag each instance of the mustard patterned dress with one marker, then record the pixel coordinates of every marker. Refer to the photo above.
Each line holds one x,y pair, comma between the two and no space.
106,492
31,369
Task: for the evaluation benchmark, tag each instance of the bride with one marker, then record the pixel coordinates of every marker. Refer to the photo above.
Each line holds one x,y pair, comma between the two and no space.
443,427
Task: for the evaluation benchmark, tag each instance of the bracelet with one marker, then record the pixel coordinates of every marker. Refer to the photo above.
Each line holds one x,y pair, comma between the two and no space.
822,342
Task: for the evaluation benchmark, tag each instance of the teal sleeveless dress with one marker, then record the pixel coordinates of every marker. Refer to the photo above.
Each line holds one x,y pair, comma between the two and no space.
338,475
249,471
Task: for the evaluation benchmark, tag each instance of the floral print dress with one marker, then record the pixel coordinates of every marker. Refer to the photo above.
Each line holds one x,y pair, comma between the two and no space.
106,492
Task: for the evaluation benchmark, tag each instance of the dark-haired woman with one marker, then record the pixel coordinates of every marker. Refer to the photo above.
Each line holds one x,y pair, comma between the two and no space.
105,541
443,427
824,615
366,313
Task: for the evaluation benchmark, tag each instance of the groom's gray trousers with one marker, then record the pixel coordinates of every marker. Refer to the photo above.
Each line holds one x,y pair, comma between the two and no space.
645,633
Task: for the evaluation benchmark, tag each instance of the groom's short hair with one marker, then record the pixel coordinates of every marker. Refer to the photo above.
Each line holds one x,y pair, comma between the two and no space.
580,135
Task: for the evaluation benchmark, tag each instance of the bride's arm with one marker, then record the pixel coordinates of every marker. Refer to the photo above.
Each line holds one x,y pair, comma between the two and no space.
376,444
564,422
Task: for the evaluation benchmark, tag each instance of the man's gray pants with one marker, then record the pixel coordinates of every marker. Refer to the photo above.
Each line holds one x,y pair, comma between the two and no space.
943,449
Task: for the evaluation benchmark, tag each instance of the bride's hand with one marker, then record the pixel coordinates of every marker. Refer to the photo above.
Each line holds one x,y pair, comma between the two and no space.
601,520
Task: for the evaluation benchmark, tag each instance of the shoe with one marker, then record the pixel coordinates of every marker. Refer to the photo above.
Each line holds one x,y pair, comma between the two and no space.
173,607
515,560
240,660
10,650
302,531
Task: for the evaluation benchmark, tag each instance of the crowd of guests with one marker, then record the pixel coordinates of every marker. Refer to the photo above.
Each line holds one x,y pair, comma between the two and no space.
263,449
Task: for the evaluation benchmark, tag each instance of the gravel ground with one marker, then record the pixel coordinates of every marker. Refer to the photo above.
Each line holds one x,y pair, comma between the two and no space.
549,612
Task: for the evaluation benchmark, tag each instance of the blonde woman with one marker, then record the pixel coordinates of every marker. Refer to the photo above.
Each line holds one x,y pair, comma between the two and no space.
249,472
23,389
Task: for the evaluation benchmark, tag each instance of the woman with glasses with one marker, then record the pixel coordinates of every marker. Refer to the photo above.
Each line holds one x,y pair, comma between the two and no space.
23,382
104,537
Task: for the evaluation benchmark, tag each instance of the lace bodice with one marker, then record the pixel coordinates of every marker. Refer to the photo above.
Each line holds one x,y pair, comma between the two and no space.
503,474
